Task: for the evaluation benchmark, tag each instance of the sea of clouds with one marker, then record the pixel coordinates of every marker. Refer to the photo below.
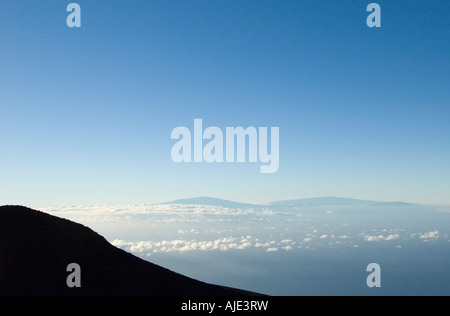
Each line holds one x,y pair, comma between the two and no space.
285,249
147,229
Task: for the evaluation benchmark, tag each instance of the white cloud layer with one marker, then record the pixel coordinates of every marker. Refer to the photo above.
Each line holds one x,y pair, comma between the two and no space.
180,245
379,238
221,244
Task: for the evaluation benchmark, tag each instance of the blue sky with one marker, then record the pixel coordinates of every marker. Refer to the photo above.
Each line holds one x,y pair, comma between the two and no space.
87,113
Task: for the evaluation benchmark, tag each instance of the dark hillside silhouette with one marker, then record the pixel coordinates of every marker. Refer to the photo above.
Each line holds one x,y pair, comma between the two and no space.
36,248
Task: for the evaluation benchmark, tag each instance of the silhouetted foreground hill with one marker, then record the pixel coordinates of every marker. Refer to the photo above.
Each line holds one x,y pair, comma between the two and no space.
36,248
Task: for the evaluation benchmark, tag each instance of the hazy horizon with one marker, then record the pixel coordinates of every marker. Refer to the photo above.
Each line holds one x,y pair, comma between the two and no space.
185,200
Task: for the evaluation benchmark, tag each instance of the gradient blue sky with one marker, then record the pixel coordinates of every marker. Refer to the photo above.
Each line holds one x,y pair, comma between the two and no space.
86,114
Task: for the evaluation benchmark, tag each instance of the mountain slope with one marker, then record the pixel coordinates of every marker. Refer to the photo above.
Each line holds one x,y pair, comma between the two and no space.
36,248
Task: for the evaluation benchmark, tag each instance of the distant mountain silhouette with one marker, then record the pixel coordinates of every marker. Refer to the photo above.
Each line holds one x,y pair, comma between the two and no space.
320,201
36,248
213,201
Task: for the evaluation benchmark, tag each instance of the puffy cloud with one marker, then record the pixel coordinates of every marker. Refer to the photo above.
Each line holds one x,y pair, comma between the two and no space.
381,238
430,235
264,245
